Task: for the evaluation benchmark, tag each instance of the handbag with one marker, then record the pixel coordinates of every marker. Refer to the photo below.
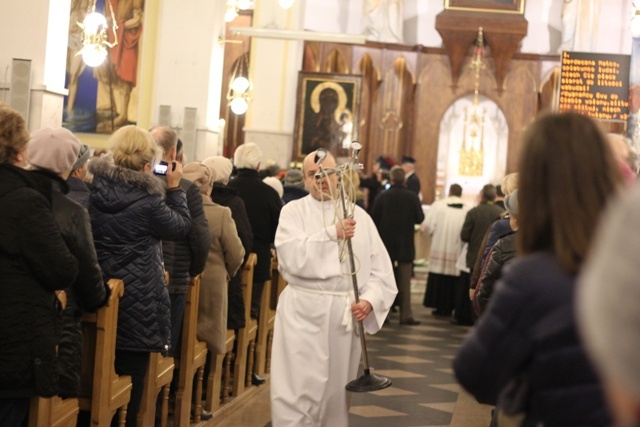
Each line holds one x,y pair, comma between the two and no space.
512,402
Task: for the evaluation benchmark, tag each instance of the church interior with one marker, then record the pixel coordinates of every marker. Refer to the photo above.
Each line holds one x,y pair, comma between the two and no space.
451,83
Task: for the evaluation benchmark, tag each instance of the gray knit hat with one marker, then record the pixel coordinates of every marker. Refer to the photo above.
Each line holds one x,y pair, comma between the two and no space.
511,203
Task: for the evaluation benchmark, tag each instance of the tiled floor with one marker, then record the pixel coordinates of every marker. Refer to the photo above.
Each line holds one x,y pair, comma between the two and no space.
424,392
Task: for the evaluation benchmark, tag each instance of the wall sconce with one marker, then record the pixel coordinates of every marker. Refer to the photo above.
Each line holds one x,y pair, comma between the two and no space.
240,86
94,37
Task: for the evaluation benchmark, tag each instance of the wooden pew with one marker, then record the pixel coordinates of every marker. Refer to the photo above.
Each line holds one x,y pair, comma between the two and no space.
102,391
218,383
277,286
193,356
265,329
158,378
246,336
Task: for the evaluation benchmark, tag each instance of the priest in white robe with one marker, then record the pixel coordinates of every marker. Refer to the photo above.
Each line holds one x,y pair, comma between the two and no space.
316,351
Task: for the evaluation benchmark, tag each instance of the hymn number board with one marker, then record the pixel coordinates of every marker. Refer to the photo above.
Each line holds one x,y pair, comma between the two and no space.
595,84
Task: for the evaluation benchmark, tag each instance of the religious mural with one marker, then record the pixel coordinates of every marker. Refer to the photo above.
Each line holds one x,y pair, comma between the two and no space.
104,98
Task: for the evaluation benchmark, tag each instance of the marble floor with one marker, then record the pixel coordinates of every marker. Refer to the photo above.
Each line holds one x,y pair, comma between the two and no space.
424,392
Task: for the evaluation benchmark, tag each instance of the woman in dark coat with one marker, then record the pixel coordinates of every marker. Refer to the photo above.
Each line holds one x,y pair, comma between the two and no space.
131,213
528,331
34,262
53,152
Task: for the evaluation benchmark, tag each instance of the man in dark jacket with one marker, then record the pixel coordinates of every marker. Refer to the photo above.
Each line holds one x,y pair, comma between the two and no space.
53,152
184,258
476,224
34,262
395,212
263,207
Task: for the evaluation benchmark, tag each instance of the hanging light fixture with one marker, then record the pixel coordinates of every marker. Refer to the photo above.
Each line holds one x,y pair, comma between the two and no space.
472,150
94,36
239,93
232,11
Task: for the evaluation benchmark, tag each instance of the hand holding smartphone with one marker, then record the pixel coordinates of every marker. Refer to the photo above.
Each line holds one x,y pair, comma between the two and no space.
174,174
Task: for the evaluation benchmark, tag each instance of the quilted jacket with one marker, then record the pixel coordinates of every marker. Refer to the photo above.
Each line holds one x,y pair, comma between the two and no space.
130,217
34,262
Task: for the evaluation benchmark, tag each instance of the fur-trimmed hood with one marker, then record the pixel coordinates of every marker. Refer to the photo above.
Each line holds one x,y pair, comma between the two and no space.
115,187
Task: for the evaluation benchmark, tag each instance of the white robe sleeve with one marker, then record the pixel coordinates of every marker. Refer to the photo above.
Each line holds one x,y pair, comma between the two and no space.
379,288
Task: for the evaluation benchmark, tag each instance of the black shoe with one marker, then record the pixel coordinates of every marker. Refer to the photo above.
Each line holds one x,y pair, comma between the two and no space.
257,379
410,322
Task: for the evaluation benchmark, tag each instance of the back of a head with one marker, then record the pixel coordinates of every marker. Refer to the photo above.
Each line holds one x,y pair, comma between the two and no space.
221,167
274,183
133,147
488,193
567,174
200,174
509,183
165,137
247,156
294,178
397,175
53,149
455,190
14,134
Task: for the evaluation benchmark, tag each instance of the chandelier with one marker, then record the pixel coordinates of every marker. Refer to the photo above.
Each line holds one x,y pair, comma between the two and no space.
239,93
472,151
94,36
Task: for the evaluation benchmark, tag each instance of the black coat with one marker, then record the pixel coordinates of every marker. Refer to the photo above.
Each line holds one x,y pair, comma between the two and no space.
88,291
263,207
226,196
476,224
186,258
79,191
395,213
34,262
130,217
529,327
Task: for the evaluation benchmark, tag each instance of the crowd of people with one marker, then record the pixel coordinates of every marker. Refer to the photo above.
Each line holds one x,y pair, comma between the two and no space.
542,265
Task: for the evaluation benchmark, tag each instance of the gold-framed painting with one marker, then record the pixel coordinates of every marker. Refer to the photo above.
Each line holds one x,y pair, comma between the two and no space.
327,111
494,6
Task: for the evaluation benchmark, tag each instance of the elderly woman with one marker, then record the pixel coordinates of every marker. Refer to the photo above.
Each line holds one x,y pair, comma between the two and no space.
527,341
34,262
131,213
225,257
224,195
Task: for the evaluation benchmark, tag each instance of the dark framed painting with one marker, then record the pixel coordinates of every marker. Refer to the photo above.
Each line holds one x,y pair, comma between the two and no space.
500,6
327,111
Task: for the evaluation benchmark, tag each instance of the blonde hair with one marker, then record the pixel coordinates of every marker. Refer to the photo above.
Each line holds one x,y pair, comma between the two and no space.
14,135
509,183
133,148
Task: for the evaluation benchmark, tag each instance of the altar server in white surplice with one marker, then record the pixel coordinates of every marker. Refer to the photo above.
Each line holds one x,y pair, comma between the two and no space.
316,351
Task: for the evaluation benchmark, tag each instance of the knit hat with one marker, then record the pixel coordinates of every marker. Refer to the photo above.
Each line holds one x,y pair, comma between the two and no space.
511,203
200,174
221,167
83,157
294,178
274,183
55,150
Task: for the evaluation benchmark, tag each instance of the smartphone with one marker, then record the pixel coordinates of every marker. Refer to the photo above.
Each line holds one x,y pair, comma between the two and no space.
161,168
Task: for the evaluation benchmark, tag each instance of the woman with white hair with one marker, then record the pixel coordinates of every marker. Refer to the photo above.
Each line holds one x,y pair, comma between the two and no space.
131,212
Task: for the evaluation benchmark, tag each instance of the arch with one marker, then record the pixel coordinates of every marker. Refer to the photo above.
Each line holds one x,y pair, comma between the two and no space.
471,152
335,63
